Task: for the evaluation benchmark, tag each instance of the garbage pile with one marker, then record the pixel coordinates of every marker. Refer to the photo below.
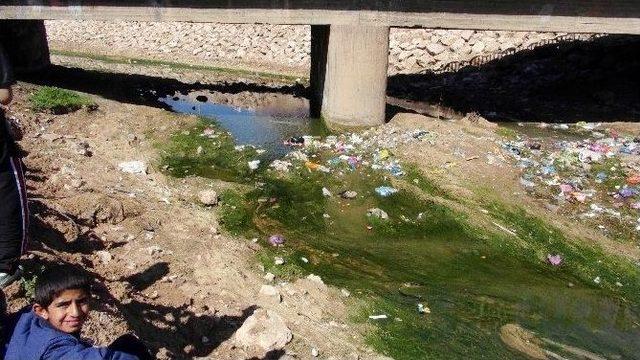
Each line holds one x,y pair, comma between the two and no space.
594,176
348,152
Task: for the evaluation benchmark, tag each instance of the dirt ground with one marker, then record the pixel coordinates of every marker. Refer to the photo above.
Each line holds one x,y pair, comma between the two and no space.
169,274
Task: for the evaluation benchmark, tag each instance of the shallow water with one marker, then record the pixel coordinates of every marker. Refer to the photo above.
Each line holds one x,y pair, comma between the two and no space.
265,124
473,281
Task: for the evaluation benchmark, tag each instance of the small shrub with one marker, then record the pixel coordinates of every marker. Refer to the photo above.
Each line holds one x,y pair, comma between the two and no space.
29,286
58,101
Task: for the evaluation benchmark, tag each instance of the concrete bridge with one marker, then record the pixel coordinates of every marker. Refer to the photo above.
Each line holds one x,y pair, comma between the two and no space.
349,38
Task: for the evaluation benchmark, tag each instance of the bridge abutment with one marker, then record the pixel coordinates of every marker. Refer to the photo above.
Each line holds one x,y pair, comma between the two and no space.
349,74
25,42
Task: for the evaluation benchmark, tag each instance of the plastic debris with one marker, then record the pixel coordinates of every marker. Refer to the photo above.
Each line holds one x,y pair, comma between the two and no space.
378,317
554,260
276,240
385,191
423,309
253,165
280,165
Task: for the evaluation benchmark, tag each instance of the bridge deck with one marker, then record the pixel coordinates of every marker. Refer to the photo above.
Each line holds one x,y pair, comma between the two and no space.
622,16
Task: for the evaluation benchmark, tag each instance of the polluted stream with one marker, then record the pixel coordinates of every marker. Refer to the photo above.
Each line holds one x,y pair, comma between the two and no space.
428,282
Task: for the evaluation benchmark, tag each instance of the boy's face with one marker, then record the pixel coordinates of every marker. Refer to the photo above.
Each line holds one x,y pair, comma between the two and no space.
67,312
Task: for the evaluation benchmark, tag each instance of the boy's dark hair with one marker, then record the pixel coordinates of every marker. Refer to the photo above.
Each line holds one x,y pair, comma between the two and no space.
54,280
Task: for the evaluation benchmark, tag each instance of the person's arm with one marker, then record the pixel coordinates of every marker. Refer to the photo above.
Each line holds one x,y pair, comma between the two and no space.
6,78
68,348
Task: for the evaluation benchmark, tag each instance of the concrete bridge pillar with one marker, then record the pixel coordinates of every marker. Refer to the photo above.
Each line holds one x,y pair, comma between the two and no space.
25,42
349,74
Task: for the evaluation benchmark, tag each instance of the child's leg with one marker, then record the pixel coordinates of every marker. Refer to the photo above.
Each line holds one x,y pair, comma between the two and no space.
13,215
131,345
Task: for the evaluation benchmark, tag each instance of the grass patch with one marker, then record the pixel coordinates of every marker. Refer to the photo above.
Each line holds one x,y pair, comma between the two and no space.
507,133
178,66
236,214
58,101
191,152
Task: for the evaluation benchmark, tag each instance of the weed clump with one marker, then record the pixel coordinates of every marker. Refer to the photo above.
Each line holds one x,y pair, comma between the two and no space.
58,101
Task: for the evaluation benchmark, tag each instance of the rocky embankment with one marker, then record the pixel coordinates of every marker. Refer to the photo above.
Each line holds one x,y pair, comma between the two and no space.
275,47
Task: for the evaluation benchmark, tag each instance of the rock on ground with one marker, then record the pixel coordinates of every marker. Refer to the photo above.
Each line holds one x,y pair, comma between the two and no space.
262,332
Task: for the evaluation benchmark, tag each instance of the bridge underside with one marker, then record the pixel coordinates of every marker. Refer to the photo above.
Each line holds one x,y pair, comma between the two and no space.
350,39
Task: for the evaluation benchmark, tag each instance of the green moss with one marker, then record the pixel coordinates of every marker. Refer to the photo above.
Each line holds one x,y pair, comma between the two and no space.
236,215
190,153
58,101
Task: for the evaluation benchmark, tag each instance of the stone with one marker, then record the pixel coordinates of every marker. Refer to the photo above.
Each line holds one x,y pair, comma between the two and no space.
466,34
435,49
270,294
208,197
269,277
104,256
262,332
377,213
316,279
133,167
458,44
478,47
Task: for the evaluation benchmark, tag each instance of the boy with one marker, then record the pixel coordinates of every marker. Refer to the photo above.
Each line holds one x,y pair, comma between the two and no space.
51,329
14,213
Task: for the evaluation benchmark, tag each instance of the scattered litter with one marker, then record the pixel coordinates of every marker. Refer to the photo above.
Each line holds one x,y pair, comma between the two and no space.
280,165
597,280
304,260
510,232
276,240
326,192
253,165
378,317
554,260
423,309
385,191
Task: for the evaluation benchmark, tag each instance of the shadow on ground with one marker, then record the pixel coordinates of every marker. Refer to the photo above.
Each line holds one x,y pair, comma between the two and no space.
594,80
180,330
141,89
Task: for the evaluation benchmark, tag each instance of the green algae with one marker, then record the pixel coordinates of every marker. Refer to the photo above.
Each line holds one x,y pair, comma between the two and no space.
473,280
189,153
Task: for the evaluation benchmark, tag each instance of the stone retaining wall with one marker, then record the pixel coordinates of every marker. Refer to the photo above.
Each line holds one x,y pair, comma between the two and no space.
274,47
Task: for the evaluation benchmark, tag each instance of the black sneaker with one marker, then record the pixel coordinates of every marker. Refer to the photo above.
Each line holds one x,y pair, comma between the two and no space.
7,279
